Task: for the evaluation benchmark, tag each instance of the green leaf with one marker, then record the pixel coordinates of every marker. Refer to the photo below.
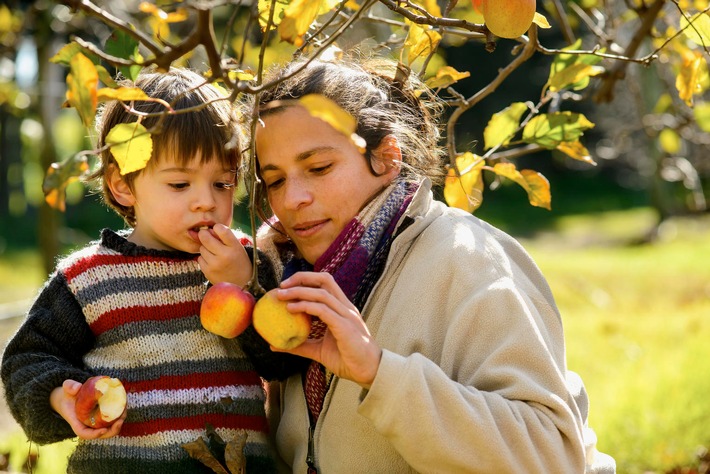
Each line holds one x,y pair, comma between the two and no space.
121,45
549,130
131,146
575,76
503,125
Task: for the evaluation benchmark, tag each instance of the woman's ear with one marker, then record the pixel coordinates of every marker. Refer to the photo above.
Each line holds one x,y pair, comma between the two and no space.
120,190
387,157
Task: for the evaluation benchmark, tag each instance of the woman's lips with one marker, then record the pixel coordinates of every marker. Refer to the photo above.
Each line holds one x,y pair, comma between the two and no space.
308,229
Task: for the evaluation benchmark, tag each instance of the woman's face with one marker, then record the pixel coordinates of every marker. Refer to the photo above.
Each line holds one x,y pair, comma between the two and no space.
316,179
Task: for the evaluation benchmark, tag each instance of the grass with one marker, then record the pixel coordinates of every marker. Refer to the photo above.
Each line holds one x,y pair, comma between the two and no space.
637,322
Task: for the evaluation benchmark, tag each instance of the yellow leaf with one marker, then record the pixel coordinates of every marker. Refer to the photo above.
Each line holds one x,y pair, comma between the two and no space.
503,125
670,141
534,183
577,151
131,146
687,81
299,15
265,9
82,82
702,116
572,75
465,192
59,176
540,20
446,76
697,28
420,41
325,109
125,94
430,6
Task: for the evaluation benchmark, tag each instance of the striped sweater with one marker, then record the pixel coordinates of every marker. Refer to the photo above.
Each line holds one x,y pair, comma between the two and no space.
121,310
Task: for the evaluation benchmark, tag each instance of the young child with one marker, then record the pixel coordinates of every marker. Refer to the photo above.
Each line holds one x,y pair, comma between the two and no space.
127,305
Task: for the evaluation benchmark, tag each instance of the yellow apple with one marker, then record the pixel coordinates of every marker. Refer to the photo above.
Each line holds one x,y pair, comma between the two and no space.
226,310
100,401
508,18
279,327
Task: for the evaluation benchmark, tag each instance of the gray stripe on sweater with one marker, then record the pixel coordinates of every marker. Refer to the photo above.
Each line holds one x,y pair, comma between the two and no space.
226,406
112,286
177,369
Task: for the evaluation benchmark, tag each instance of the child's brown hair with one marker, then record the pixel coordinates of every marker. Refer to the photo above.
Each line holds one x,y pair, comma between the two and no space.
211,129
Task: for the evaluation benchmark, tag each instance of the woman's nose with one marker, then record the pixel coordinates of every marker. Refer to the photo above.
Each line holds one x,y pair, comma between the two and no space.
296,194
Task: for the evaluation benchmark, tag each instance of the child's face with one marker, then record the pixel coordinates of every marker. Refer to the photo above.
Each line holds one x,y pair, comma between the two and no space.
172,202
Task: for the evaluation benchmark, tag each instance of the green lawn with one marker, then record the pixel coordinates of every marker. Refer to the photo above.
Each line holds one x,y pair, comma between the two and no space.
637,321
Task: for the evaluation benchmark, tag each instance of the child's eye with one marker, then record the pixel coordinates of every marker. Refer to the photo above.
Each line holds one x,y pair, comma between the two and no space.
178,185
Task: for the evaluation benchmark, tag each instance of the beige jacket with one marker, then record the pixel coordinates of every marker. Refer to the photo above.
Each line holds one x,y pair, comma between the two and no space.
472,377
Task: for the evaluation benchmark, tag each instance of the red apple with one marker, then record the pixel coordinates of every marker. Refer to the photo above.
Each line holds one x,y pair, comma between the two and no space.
226,310
101,401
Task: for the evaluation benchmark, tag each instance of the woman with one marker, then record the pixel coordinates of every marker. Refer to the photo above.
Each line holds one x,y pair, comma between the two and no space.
437,346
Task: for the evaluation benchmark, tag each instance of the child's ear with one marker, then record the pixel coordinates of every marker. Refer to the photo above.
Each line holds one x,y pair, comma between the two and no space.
120,190
387,157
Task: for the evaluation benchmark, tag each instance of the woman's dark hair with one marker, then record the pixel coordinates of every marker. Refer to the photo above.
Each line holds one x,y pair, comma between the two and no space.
382,100
210,129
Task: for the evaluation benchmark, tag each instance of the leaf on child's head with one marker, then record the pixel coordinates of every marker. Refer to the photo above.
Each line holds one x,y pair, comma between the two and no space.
131,145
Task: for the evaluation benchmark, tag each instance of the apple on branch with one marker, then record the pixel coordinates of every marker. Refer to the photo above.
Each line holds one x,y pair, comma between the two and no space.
277,325
226,310
101,400
507,18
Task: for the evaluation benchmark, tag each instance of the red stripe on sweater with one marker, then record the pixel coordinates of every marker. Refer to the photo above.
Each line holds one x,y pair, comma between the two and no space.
218,420
195,381
119,316
83,264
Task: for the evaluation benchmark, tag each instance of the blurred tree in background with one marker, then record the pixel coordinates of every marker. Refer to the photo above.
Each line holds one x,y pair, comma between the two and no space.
612,88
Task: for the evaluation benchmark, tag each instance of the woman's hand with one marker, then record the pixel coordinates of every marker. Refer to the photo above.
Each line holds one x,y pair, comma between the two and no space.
347,349
223,257
63,401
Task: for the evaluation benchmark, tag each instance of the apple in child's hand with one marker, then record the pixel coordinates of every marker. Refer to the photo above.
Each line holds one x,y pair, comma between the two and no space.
226,310
277,325
101,400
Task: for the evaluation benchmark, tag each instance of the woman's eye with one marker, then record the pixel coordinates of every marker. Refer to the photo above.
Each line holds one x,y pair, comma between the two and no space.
321,169
274,184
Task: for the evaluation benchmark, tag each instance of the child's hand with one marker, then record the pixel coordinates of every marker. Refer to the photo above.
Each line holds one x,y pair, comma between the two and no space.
223,257
63,401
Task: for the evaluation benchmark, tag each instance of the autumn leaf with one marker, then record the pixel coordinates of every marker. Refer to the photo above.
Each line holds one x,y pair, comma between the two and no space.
199,450
549,130
420,41
125,94
299,15
68,51
465,191
131,146
327,110
702,116
503,125
688,80
577,151
265,9
430,6
59,176
697,28
445,77
540,20
82,83
572,70
669,141
234,453
534,183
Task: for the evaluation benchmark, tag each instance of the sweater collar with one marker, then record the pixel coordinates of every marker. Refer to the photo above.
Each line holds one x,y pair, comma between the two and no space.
118,241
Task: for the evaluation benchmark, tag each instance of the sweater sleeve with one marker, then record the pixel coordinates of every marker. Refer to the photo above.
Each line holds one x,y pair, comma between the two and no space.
269,364
46,350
